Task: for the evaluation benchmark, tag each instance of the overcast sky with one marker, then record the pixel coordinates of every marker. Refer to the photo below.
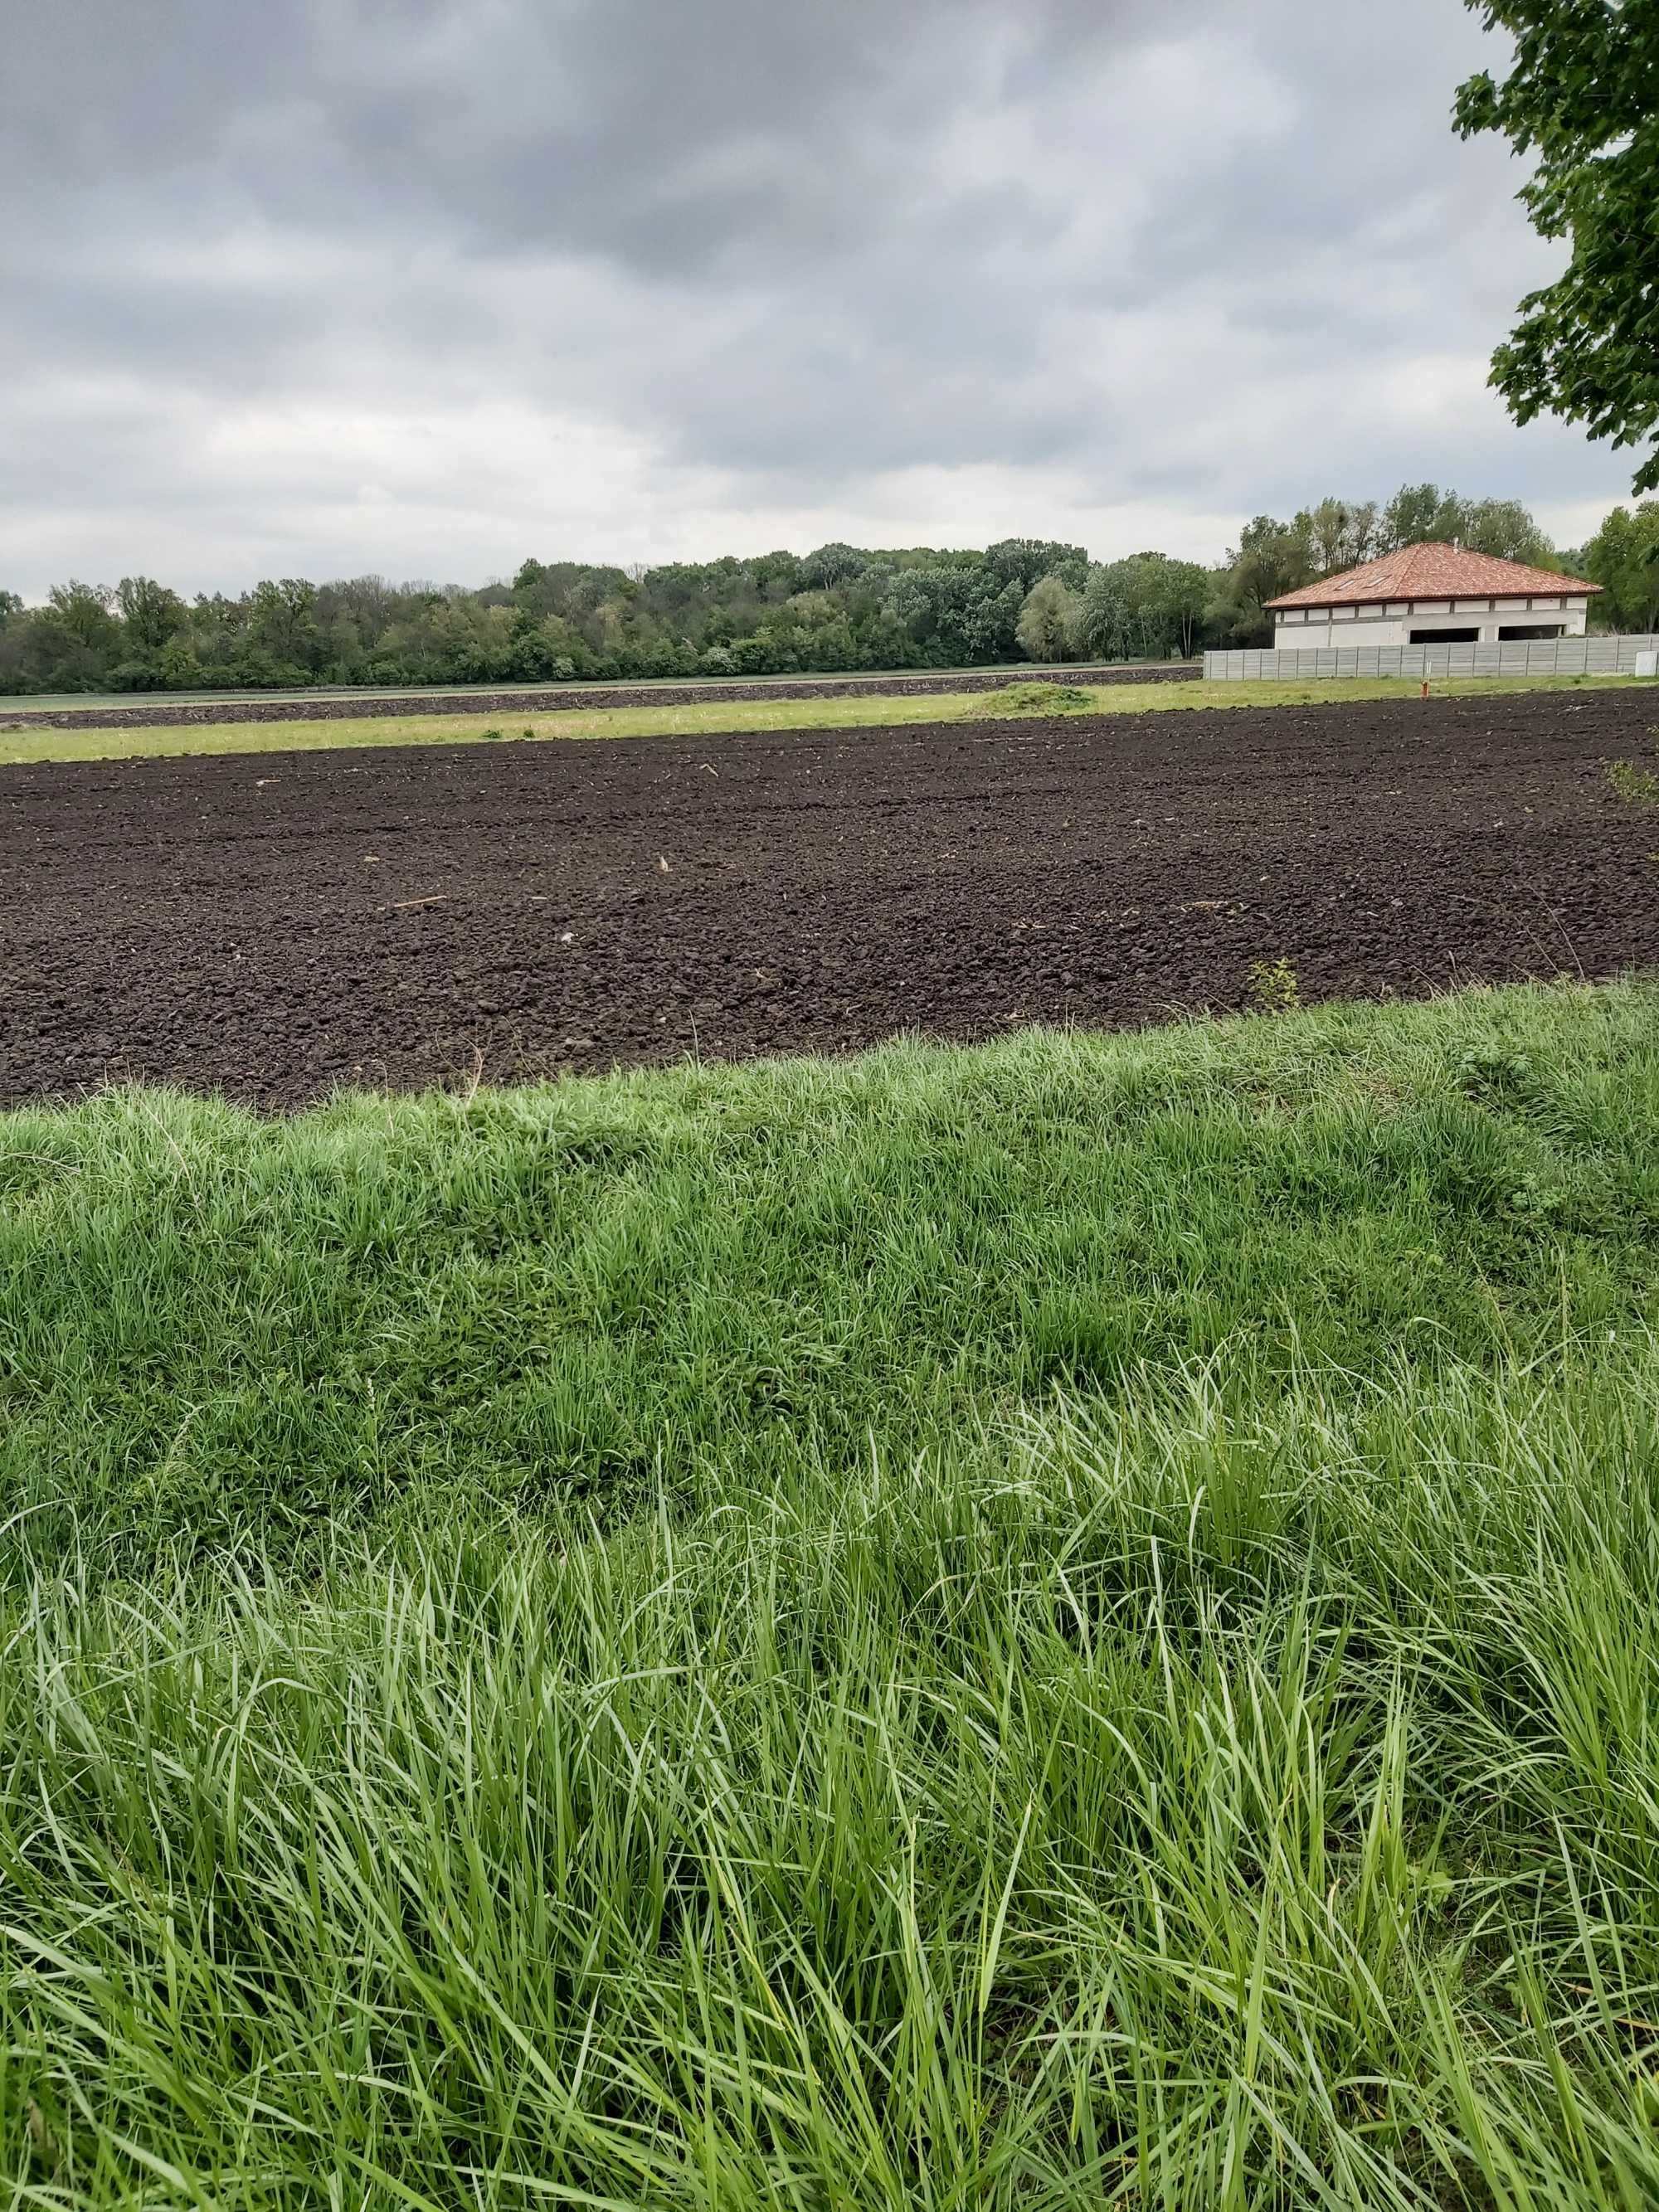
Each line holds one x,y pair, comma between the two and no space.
423,286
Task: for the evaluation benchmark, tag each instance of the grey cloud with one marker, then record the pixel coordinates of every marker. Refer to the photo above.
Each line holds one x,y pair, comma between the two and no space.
780,253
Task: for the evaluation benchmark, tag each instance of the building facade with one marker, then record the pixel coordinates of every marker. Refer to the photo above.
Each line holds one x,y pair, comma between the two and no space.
1432,595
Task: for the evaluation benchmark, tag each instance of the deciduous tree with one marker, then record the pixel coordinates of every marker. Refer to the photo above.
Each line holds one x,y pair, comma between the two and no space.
283,620
152,613
83,612
1419,513
1582,98
1047,619
1623,558
1505,529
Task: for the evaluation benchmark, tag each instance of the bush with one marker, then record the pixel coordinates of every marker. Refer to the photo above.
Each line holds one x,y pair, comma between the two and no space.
1274,986
755,656
181,669
136,676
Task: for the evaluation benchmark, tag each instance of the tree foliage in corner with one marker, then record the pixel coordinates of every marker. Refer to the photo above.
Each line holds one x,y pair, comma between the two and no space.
1583,99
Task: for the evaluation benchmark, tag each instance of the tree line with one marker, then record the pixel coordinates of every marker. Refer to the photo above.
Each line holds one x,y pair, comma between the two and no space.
842,608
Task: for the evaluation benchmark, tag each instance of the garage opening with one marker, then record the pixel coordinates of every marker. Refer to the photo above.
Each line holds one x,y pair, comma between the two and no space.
1446,636
1512,633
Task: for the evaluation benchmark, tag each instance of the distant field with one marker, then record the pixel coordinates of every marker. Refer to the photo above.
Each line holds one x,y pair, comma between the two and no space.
96,741
93,703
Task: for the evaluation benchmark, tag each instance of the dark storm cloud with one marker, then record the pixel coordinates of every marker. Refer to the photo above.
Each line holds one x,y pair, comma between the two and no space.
329,283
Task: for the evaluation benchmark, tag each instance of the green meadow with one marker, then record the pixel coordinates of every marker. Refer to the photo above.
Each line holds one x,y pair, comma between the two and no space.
88,739
1060,1623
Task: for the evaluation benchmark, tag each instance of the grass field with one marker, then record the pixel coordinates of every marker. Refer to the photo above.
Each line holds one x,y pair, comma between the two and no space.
90,703
111,742
1063,1623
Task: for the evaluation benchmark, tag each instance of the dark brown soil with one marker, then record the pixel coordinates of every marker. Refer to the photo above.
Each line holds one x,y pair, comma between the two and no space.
280,924
358,705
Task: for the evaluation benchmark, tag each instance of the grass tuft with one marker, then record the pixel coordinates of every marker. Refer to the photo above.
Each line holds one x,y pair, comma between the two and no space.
1636,785
1043,699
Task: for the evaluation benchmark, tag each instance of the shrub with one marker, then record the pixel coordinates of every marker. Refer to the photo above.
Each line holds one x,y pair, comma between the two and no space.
1274,988
135,676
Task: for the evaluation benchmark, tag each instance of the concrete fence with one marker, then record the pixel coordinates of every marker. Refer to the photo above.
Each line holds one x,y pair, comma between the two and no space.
1549,656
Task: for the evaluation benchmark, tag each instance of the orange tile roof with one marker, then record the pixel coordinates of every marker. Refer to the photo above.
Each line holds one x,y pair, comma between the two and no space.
1431,572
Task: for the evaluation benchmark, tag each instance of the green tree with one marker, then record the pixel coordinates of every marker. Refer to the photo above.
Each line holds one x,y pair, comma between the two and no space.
951,612
1028,560
1623,558
1145,608
1179,591
1341,533
830,565
1104,624
81,611
1047,619
283,621
10,604
1271,557
368,604
1504,528
152,613
1419,513
1582,97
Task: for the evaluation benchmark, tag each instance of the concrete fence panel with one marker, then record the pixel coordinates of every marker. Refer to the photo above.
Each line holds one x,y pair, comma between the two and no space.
1549,656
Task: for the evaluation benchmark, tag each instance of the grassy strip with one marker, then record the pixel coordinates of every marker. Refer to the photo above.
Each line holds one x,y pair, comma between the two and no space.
91,702
717,719
214,1324
1060,1623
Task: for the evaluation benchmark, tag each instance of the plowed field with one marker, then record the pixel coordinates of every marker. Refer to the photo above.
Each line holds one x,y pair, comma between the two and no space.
278,925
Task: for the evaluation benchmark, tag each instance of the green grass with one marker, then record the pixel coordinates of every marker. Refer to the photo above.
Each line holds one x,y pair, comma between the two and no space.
1062,1624
1045,699
89,741
90,702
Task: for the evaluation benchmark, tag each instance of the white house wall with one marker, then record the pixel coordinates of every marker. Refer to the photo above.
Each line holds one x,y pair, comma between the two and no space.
1369,626
1391,621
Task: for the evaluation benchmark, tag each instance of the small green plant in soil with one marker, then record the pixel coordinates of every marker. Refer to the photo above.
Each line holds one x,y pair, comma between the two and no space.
1274,988
1635,784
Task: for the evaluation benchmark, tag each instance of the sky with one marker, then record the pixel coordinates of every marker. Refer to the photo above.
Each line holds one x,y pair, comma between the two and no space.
423,287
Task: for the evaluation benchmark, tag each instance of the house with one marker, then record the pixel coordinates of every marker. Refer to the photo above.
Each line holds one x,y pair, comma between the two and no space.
1431,595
